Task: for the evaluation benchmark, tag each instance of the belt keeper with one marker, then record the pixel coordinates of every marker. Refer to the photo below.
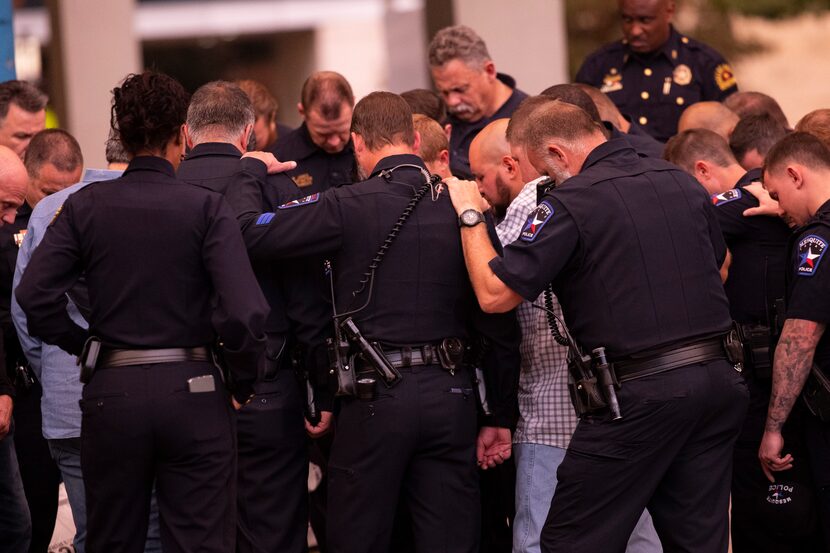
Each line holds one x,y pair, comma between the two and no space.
406,357
426,352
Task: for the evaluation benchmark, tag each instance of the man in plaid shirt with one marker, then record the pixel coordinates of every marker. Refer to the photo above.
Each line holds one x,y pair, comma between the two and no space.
546,416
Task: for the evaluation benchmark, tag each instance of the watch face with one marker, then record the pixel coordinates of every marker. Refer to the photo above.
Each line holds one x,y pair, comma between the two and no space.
471,217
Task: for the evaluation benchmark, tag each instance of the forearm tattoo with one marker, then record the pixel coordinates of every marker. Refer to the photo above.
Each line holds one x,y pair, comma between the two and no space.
793,360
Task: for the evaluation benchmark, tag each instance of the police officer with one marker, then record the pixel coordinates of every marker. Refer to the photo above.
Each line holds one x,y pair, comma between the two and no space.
632,251
273,459
414,439
654,72
321,145
796,173
167,272
754,286
475,94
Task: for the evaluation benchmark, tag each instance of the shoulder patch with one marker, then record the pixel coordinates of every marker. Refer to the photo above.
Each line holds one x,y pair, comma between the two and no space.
726,197
724,77
301,202
811,249
265,218
537,219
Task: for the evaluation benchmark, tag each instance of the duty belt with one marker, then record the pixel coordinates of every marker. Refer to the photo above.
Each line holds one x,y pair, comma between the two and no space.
698,352
128,357
412,356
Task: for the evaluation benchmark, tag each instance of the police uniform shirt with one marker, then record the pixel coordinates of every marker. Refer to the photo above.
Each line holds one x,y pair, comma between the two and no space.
654,89
463,132
11,236
808,278
645,146
633,250
759,254
421,293
317,170
154,251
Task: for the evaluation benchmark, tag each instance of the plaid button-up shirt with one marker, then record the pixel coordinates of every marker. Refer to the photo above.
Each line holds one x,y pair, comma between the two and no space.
546,415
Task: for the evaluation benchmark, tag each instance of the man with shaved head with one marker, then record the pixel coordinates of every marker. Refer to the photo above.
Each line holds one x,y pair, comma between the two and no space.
15,521
712,116
756,103
654,72
654,309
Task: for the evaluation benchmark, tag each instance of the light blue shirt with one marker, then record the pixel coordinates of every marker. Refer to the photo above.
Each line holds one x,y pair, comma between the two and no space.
57,371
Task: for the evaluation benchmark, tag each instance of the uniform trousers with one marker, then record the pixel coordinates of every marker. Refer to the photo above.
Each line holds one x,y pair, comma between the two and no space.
140,424
272,480
671,452
414,442
15,522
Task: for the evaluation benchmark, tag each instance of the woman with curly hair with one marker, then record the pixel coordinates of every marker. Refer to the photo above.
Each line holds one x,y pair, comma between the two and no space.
167,274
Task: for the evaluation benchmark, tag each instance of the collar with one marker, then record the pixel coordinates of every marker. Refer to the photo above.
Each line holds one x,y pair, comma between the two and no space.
749,177
670,49
297,145
607,149
95,175
506,79
151,163
213,149
392,161
823,213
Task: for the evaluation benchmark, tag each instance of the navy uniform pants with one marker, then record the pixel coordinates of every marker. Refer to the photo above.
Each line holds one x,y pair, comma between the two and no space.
272,481
140,424
671,452
415,443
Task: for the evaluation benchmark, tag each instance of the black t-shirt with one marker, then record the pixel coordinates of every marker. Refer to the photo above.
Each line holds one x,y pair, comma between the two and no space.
808,279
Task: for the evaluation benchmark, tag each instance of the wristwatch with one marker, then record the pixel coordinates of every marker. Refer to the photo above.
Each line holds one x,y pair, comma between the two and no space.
470,218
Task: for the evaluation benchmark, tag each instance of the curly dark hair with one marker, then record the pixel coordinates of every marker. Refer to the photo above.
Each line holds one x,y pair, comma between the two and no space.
147,110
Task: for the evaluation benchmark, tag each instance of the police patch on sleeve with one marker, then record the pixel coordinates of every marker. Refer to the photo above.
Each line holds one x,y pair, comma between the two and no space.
810,251
535,222
726,197
724,77
301,202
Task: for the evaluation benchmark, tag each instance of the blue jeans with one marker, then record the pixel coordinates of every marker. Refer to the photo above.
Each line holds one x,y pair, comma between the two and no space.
67,455
15,522
536,467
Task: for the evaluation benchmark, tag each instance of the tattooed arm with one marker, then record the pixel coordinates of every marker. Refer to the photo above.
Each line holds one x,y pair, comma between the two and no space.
793,360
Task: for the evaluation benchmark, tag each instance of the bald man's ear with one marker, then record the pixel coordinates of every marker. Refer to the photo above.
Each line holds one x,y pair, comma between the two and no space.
510,166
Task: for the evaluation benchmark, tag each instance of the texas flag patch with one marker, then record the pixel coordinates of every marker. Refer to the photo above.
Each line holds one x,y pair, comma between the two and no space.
535,222
810,251
301,202
726,197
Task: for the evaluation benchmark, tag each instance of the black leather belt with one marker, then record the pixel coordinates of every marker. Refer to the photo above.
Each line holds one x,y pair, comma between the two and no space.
412,356
699,352
127,357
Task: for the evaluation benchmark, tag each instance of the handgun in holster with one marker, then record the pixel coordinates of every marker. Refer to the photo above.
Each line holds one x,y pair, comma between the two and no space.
592,383
371,353
340,364
89,358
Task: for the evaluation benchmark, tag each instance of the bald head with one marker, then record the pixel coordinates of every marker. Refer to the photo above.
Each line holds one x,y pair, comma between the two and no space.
490,144
13,183
608,111
496,172
713,116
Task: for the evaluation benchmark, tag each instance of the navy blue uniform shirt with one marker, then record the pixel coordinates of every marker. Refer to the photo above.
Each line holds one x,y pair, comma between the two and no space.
295,290
157,255
421,292
759,254
633,250
808,279
317,170
464,132
644,145
654,89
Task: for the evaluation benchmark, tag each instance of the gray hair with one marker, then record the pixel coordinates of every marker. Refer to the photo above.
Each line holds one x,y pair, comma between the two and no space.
219,108
458,42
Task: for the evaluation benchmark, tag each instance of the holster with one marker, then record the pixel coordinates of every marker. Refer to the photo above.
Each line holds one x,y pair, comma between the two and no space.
341,366
474,358
584,388
757,348
88,359
816,394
